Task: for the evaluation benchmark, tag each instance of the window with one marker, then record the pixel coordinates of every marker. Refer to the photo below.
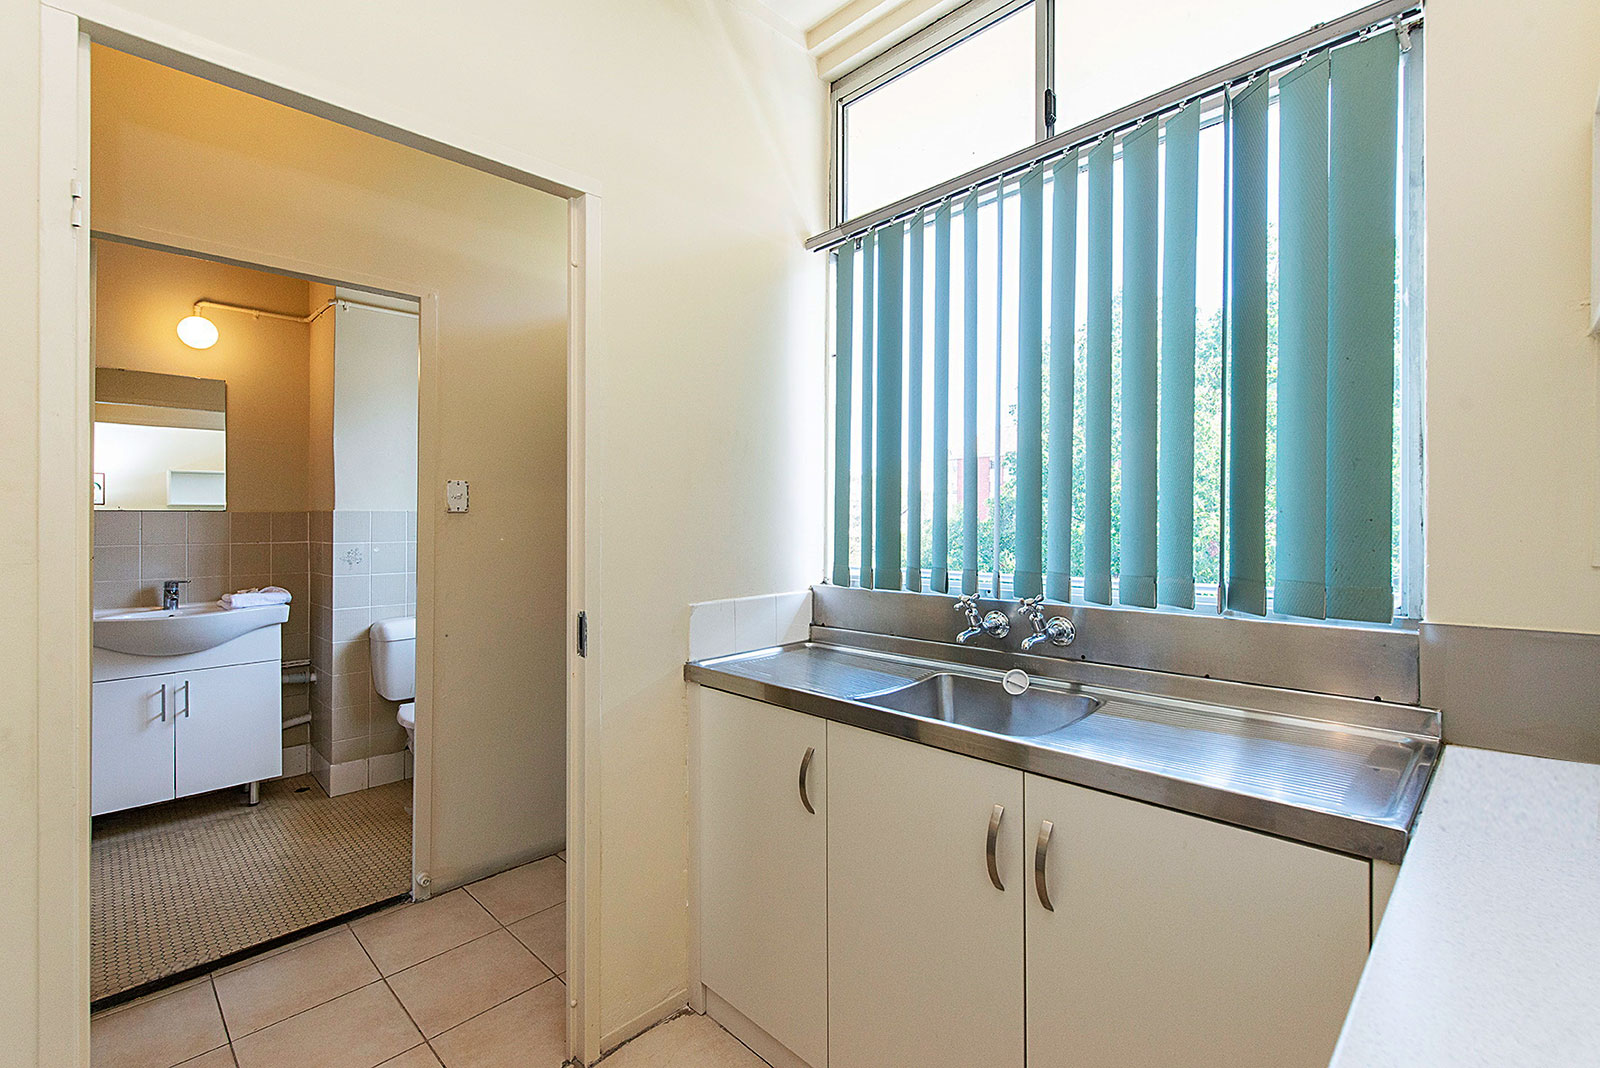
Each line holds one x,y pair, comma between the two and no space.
1206,317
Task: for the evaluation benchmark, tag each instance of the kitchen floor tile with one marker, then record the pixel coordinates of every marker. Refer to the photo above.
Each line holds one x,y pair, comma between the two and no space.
420,1057
529,1031
687,1041
402,937
520,892
457,985
361,1029
545,933
279,986
160,1032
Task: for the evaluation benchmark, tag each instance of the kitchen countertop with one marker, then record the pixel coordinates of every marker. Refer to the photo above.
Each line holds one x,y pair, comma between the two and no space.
1342,774
1489,952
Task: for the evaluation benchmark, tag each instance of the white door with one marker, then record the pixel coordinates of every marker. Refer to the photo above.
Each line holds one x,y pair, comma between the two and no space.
924,950
1176,940
131,746
230,726
764,867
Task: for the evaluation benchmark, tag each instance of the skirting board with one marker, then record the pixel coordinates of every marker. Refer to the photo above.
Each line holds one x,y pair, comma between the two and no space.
667,1006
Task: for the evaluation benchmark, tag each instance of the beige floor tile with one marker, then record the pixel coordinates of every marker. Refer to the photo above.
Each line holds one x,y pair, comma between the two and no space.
529,1031
286,947
217,1058
457,985
546,934
360,1029
160,1032
421,1057
396,940
521,892
281,985
688,1041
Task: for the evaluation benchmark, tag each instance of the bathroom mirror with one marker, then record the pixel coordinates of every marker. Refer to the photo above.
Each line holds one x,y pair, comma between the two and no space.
160,441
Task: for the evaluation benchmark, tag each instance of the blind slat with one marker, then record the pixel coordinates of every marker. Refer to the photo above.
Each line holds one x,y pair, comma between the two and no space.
1028,577
1063,351
1247,351
1299,582
941,399
969,395
914,270
868,360
1175,477
886,572
843,381
1097,385
1141,184
1363,139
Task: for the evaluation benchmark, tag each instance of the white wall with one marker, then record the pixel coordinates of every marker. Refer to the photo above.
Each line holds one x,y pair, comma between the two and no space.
374,410
135,459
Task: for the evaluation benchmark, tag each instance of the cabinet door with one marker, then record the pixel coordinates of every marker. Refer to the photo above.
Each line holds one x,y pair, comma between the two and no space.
1176,940
764,868
230,726
924,951
130,751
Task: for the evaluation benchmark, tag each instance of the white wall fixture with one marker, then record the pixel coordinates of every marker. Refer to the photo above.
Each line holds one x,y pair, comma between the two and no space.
1594,229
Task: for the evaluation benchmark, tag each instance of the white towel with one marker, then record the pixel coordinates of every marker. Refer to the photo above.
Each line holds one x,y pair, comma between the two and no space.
255,598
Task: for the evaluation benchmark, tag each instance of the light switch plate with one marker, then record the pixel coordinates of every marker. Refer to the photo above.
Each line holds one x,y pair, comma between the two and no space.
455,495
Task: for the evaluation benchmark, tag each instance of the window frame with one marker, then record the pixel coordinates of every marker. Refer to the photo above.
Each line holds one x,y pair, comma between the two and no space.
975,16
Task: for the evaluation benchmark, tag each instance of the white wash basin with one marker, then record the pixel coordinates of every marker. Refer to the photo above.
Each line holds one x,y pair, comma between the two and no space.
174,632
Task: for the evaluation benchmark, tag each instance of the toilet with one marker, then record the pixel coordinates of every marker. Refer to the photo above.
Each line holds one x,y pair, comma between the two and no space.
394,668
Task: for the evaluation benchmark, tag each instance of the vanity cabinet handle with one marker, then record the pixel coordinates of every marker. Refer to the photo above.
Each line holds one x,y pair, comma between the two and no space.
1041,853
805,770
184,711
163,702
994,835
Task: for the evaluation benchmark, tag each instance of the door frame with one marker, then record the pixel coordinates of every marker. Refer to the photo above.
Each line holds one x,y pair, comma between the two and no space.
65,515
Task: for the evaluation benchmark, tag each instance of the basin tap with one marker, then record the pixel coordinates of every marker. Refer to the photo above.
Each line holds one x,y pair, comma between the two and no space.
169,593
995,624
1057,631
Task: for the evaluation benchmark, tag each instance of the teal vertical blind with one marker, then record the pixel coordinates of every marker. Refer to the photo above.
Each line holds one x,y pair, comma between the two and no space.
1200,304
1063,354
1028,577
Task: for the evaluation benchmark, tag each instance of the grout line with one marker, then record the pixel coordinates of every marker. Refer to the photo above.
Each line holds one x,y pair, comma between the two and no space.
227,1033
496,1005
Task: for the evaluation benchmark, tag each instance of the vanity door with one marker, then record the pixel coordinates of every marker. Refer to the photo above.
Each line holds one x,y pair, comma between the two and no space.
229,726
131,741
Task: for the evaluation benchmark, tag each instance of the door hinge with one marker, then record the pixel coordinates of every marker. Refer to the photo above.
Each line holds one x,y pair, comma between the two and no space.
583,634
75,187
1050,108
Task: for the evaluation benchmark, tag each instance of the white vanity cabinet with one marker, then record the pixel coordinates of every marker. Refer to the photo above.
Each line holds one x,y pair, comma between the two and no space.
924,947
169,727
1171,939
1178,940
764,868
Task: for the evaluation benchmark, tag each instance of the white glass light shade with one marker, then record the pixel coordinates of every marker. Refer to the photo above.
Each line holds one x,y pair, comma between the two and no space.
197,332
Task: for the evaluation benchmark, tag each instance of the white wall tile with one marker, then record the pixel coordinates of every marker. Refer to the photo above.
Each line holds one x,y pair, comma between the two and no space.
387,768
711,629
792,616
296,760
755,622
347,778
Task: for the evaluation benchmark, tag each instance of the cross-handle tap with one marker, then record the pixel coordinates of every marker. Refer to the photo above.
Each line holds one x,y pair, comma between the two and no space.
1058,630
995,624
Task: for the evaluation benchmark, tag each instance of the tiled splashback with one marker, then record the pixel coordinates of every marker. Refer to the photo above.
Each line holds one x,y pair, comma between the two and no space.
135,552
717,628
363,569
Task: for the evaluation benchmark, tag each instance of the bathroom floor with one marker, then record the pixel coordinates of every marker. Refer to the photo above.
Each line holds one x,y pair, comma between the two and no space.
183,884
470,979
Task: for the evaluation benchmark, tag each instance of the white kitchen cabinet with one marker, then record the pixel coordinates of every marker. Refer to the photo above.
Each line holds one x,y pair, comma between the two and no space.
131,744
230,727
924,950
764,868
1178,940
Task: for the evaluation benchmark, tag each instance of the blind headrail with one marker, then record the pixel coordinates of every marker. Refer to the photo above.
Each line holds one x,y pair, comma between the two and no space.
1323,35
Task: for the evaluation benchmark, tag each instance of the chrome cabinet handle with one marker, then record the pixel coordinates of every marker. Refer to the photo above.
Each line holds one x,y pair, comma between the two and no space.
184,711
163,702
994,835
1041,853
805,769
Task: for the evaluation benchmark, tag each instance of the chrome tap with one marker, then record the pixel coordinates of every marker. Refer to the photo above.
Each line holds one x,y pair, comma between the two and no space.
169,593
1057,631
995,624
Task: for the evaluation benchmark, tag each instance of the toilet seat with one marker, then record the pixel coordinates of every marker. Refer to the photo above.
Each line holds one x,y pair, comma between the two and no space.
406,716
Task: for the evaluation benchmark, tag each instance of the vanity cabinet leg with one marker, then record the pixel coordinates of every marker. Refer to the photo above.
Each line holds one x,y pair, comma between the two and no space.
253,790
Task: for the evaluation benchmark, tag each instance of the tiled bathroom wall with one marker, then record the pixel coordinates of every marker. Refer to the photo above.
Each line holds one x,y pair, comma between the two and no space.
363,569
135,552
717,628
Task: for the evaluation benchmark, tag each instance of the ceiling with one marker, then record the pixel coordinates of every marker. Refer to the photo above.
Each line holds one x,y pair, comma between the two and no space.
804,14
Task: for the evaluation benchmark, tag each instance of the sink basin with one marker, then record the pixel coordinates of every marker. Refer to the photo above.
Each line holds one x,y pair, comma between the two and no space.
984,705
174,632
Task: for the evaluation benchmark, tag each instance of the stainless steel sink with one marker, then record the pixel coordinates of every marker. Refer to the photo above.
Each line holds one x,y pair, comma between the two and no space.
984,704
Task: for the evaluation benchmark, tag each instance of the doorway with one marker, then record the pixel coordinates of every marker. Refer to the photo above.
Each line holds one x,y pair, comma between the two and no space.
458,838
